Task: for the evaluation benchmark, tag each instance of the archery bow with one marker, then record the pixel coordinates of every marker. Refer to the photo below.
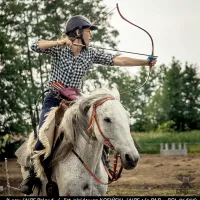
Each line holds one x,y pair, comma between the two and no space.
152,53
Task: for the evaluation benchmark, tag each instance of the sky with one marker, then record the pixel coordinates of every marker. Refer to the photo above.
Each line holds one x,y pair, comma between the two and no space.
173,24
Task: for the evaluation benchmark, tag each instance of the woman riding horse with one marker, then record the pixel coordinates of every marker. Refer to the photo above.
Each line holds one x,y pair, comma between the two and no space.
71,59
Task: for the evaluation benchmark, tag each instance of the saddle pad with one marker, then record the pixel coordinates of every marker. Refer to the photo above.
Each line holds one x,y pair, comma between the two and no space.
48,135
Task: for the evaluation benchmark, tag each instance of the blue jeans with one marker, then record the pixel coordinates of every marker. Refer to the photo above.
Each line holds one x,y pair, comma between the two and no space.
51,100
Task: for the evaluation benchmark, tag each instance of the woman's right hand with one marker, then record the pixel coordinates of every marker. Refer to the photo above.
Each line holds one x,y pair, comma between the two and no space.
64,42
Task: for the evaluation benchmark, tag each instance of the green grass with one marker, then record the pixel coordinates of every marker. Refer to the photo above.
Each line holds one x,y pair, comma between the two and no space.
150,142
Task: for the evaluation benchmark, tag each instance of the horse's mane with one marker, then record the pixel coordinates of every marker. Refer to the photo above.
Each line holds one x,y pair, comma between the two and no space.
75,121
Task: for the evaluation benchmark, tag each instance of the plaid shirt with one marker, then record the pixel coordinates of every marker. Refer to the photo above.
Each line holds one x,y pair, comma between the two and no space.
70,69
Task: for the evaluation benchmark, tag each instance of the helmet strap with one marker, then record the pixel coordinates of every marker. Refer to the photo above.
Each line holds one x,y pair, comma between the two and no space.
81,36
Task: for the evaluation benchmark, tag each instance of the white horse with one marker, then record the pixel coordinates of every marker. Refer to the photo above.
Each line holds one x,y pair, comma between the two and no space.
108,122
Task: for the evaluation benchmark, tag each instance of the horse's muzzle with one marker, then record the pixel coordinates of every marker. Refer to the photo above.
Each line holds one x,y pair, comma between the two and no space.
130,162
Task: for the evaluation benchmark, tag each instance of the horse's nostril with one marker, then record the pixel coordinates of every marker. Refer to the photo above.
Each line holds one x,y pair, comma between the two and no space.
128,158
136,160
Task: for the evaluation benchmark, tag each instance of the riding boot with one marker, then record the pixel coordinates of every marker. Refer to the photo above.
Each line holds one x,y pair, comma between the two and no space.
27,185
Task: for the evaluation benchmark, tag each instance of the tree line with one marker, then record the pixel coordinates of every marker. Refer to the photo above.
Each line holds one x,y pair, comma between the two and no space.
169,98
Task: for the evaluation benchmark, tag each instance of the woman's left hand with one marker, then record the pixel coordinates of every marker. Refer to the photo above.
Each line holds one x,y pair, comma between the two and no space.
152,61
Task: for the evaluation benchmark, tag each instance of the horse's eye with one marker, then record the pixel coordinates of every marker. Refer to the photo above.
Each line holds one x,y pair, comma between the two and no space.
107,119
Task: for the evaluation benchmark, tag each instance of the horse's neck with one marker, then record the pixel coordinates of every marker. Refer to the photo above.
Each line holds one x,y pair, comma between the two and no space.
90,151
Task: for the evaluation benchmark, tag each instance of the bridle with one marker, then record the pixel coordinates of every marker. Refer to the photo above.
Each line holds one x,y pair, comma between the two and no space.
93,119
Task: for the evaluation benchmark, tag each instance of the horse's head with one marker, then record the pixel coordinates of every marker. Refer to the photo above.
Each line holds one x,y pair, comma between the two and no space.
109,121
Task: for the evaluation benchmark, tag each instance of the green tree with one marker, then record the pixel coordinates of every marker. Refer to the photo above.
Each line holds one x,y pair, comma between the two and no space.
11,81
177,100
142,97
190,97
155,109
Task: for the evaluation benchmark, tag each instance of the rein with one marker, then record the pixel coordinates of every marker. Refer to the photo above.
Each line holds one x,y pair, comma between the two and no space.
113,177
93,119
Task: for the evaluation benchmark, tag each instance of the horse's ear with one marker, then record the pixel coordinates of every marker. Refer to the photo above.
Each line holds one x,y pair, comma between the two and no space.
115,93
86,108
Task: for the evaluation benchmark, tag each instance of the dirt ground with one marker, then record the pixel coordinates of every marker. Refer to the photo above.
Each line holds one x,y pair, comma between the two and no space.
154,175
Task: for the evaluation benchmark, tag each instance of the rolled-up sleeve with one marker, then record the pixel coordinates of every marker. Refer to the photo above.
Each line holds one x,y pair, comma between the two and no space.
100,57
50,51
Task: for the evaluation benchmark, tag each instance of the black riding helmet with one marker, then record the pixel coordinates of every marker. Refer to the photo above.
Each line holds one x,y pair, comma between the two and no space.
78,22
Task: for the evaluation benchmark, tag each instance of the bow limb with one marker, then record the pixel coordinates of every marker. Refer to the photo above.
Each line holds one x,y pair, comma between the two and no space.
152,43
